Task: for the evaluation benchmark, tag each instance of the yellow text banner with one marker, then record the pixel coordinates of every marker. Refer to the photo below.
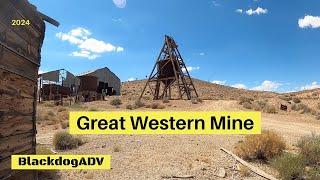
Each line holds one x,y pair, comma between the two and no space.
165,122
55,162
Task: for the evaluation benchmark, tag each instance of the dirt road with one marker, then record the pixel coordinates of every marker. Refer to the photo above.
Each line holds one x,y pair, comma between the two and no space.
164,156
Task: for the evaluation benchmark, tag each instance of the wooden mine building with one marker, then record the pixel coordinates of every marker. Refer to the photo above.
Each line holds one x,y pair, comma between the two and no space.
20,55
94,82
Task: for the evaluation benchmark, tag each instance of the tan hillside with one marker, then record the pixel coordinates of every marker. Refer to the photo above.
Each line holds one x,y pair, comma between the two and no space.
206,90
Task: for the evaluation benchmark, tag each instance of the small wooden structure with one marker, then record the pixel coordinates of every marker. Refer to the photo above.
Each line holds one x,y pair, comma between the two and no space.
57,85
170,70
20,48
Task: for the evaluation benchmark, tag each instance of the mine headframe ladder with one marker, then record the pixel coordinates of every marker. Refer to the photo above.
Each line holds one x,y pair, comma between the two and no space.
181,77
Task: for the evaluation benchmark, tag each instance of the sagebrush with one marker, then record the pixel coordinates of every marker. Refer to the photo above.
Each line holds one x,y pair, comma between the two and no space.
64,141
262,146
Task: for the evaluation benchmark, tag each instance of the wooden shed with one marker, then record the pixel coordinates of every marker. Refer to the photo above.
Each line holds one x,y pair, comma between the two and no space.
20,47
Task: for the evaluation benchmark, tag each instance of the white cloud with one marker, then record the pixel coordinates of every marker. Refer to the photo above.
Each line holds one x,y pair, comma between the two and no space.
90,48
218,82
309,22
190,68
215,3
41,72
97,46
132,79
313,85
239,11
85,54
80,32
239,86
120,3
267,86
116,19
120,49
258,11
202,54
67,37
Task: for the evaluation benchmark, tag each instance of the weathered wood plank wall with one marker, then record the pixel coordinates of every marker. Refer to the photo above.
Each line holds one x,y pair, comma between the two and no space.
20,48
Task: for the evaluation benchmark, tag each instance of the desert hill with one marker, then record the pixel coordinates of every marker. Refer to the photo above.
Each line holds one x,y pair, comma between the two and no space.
206,91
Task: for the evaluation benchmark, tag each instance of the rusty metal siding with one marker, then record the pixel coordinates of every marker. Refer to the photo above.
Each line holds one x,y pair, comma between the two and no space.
107,76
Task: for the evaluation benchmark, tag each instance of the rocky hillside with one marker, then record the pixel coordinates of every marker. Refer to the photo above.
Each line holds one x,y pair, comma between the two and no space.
206,90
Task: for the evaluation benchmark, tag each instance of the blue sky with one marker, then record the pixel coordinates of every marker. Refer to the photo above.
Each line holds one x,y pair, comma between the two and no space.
254,44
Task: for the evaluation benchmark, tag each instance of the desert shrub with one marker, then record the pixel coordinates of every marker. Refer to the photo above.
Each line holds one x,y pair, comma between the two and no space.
296,100
259,105
116,149
313,173
318,105
48,104
244,171
301,107
247,105
244,99
285,97
314,94
199,100
138,103
310,147
270,109
61,109
51,113
43,150
194,101
166,100
262,146
148,106
64,124
63,141
93,109
157,106
256,107
115,102
129,106
289,166
262,103
77,106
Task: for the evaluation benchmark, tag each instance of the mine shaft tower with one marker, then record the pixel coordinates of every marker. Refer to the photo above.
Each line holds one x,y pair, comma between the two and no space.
170,72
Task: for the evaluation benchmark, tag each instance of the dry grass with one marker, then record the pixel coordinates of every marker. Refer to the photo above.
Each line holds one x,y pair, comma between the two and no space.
115,102
194,101
64,124
285,97
289,166
129,106
296,100
270,109
48,104
157,106
61,109
244,99
263,146
43,150
139,104
310,147
303,108
64,141
247,105
244,171
116,149
165,100
93,109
